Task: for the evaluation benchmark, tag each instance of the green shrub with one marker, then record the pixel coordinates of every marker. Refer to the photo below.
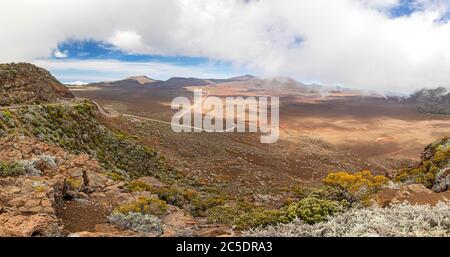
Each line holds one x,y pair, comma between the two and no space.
83,108
144,205
115,176
6,114
200,204
11,170
260,217
175,195
223,214
436,157
312,210
137,186
74,184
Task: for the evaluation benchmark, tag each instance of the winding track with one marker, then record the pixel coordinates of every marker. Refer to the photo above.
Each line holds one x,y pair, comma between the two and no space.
113,115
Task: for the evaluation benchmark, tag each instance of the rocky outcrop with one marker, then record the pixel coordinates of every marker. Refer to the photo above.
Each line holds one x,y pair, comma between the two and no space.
413,194
30,195
15,224
442,180
71,194
177,222
23,83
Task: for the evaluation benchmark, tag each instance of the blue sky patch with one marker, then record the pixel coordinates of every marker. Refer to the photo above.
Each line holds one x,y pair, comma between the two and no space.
154,66
91,49
404,8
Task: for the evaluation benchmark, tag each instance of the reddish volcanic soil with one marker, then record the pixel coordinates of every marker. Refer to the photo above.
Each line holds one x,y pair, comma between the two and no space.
341,131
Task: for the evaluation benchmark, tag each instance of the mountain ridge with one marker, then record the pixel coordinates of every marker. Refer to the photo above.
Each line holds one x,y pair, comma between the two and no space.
24,83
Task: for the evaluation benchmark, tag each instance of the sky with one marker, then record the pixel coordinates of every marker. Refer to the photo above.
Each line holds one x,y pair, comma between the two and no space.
378,45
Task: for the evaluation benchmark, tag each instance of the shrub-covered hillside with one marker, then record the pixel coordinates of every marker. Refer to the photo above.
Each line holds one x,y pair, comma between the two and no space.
76,129
434,169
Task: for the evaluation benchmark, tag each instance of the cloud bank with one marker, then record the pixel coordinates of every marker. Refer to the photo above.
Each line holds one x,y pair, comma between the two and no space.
355,43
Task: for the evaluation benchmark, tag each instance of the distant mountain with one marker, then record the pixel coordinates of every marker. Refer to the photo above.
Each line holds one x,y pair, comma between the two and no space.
183,82
24,83
243,78
280,85
285,84
142,79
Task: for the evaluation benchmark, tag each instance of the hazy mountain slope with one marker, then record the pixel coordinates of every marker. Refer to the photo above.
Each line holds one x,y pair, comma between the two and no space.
432,100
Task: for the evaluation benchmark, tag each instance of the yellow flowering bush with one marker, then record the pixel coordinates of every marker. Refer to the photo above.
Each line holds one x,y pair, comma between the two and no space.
355,187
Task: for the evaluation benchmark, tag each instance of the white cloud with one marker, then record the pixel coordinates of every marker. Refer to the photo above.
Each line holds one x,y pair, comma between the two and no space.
346,42
77,83
59,54
129,41
380,3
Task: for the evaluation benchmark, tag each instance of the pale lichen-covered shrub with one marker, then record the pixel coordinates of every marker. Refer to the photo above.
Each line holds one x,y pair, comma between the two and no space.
46,161
138,222
402,220
30,169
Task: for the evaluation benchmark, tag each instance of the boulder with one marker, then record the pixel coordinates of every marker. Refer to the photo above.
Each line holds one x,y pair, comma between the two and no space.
76,173
96,182
177,222
416,188
14,224
152,182
31,195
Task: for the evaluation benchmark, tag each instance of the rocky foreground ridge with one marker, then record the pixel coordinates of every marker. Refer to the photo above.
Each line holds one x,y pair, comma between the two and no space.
58,193
23,83
64,173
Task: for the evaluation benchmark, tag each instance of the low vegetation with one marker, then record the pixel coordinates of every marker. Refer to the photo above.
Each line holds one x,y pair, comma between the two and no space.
76,129
144,205
434,159
138,222
74,184
11,170
311,210
394,221
355,187
340,192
